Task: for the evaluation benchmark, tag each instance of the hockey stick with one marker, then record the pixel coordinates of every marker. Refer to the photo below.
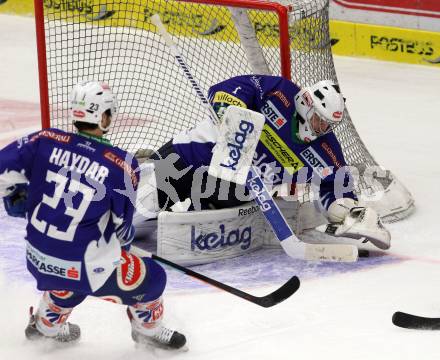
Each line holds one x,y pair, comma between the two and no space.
279,295
409,321
270,210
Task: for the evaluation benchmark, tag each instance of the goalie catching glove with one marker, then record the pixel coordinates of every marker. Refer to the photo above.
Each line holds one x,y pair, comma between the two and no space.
347,219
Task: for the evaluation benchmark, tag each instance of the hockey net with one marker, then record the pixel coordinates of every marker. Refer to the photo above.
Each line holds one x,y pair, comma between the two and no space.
115,42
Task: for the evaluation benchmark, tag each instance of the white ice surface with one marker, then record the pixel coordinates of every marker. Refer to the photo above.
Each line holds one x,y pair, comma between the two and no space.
347,316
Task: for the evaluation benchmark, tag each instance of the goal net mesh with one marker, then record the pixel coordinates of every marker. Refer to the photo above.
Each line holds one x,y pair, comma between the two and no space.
115,41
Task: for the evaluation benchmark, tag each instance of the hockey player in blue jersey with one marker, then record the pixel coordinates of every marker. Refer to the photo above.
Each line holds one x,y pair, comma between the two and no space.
77,193
297,144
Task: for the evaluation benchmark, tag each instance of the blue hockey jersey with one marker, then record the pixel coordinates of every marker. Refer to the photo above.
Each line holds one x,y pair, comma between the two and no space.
280,155
79,208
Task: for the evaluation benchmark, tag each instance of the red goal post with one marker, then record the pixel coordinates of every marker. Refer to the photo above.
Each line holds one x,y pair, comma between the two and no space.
115,41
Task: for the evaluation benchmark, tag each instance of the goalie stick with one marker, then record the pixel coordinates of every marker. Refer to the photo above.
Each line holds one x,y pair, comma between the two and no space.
279,295
270,210
409,321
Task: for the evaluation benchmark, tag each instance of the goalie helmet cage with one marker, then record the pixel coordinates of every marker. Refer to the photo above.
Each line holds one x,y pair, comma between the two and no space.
115,41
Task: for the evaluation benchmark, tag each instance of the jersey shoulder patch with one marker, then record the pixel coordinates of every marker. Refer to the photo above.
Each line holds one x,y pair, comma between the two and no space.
122,160
53,134
222,97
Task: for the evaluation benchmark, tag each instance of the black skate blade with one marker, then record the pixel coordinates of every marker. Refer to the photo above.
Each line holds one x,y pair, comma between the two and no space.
409,321
156,348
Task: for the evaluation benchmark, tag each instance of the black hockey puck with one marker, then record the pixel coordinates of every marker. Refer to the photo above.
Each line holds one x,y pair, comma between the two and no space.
363,253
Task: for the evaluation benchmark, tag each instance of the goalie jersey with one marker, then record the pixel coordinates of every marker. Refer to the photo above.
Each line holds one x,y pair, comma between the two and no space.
79,208
280,155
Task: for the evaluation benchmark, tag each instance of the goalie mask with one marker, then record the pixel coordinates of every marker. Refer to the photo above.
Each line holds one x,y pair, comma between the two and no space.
89,100
319,109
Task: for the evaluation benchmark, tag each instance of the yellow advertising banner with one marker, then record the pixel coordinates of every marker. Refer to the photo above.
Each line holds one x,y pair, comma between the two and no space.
213,22
343,35
386,43
180,18
17,7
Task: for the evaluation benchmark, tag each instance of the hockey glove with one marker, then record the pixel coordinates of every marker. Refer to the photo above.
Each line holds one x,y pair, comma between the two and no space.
15,202
357,222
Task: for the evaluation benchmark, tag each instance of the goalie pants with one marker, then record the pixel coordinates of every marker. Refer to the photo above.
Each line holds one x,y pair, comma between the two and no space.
204,191
135,280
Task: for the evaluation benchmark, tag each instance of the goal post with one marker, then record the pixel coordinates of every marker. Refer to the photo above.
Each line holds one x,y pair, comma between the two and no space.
115,41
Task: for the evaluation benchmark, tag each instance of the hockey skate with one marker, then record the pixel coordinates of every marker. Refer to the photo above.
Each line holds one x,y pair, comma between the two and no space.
68,333
161,337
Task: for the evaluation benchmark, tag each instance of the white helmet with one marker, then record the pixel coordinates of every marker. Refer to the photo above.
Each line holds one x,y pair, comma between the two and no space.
88,100
323,99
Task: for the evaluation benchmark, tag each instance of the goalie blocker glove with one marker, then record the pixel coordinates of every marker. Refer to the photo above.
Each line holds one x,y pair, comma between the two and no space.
352,221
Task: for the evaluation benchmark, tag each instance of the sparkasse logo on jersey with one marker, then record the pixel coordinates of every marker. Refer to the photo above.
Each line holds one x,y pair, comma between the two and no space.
50,265
272,114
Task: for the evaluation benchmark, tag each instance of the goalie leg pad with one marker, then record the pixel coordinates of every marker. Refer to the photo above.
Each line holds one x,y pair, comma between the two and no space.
200,237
